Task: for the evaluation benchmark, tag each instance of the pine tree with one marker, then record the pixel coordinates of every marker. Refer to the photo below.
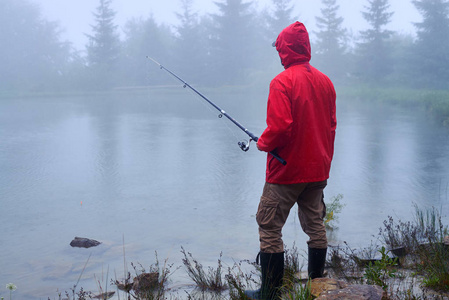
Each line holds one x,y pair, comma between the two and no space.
32,56
144,37
190,55
374,60
281,17
103,47
330,46
232,41
431,58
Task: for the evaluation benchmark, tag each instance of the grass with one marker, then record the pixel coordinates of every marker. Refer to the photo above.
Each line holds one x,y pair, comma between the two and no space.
145,284
435,102
210,280
423,241
238,280
424,263
431,252
421,272
299,292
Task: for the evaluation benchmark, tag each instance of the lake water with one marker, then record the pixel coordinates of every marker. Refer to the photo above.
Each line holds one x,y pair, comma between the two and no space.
159,171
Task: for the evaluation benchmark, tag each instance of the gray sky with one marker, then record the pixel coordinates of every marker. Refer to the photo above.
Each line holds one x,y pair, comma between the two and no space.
75,16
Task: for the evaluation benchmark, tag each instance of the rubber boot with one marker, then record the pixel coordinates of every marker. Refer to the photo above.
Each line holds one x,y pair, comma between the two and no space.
317,259
272,265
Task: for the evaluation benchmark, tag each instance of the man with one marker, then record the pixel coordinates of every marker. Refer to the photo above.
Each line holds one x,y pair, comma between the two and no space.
301,123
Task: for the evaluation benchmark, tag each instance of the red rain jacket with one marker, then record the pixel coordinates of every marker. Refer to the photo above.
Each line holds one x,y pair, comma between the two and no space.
301,114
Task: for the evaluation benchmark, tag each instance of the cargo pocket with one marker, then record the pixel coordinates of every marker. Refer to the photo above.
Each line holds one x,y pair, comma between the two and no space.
266,211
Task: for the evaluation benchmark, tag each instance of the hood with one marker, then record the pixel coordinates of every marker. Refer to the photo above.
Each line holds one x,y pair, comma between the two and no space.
293,45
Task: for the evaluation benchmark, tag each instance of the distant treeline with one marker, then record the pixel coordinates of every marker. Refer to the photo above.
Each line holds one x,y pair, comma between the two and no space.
231,47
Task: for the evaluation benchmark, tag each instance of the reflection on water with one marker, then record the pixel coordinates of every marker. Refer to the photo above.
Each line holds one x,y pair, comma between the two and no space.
153,173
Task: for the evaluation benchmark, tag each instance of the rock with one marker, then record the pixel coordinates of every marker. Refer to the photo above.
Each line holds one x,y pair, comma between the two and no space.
320,285
365,262
84,242
446,240
145,283
353,292
399,251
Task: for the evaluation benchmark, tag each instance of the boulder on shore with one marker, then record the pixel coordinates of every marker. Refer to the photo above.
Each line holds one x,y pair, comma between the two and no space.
332,289
320,285
84,242
354,292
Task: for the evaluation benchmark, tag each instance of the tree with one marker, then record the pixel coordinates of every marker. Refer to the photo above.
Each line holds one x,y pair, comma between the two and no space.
144,37
281,17
103,47
232,41
401,47
270,24
374,62
32,55
330,45
191,49
431,59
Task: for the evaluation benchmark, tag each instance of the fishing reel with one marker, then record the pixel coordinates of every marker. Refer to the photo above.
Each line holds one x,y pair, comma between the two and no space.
244,145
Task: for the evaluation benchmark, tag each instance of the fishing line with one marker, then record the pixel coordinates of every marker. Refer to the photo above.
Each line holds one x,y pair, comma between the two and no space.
219,116
242,144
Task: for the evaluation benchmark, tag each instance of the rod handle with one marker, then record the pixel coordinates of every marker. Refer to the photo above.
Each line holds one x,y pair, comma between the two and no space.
275,155
280,159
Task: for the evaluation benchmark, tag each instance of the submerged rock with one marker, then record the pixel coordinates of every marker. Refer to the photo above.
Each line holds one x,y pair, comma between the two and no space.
399,251
84,242
145,283
104,296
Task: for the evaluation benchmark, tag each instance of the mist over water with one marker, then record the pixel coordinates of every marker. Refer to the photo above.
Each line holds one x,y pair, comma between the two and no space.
98,142
162,171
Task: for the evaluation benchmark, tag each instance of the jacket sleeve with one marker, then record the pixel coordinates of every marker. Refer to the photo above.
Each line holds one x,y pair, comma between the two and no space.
279,119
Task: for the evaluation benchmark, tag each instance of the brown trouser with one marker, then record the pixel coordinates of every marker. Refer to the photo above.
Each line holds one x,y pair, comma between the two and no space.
275,205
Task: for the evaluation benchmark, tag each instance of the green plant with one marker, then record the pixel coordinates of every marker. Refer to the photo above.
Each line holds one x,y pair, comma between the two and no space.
432,252
292,265
238,280
300,292
430,225
381,270
332,210
11,287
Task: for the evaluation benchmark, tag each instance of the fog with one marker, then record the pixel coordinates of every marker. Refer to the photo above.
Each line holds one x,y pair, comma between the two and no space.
76,15
99,142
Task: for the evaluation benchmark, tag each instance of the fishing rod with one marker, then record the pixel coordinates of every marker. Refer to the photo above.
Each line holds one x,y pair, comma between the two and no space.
243,145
